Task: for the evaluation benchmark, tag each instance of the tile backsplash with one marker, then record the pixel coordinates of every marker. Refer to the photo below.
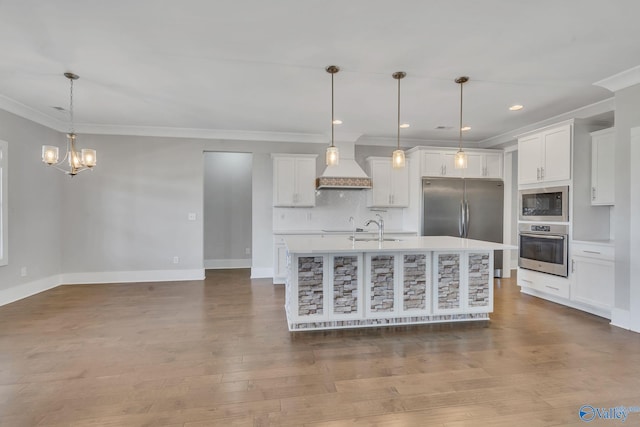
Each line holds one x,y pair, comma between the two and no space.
332,211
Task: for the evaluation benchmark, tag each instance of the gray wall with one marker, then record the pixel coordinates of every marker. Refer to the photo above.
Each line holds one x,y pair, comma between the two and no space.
227,205
627,117
131,212
33,201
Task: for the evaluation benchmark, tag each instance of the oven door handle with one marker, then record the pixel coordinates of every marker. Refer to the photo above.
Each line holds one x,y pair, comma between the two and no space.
544,236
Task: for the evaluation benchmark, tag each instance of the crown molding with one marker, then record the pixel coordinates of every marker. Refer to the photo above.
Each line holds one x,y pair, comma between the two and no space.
621,80
223,134
587,111
409,143
26,112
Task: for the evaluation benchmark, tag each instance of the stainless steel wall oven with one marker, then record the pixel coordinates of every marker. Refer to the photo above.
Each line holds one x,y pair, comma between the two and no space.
544,248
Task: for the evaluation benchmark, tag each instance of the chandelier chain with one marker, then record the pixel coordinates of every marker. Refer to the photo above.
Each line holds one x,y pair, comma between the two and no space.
398,114
332,123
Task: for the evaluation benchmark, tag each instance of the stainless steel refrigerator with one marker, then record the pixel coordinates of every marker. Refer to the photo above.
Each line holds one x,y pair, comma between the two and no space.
469,208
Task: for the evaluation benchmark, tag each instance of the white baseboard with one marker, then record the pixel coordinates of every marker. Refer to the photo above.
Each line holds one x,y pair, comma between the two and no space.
132,276
28,289
213,264
25,290
261,272
621,318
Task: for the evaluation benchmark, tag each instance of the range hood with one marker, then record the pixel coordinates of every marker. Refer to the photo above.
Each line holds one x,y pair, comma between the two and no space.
347,174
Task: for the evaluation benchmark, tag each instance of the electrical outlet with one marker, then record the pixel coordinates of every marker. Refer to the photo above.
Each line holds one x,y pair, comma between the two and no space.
192,216
308,216
247,251
176,260
23,272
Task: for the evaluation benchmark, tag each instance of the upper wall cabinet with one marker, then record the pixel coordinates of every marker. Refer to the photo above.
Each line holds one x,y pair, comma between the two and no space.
294,180
390,185
602,167
545,156
480,163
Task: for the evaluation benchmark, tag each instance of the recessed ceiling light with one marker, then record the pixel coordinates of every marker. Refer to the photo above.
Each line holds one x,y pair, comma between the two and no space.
466,128
404,125
337,122
516,107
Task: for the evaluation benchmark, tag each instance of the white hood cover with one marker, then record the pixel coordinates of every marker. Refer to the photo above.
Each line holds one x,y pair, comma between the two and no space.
347,174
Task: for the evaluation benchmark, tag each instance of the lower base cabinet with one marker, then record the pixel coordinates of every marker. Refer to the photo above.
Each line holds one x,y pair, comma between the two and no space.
592,282
329,291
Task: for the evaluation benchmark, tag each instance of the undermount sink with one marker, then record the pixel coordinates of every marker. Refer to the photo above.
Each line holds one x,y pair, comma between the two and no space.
374,239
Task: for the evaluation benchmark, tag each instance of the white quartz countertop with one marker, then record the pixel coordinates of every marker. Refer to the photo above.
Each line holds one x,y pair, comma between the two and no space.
339,244
341,231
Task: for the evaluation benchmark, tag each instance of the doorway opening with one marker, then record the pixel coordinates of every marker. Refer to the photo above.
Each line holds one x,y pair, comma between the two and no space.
227,210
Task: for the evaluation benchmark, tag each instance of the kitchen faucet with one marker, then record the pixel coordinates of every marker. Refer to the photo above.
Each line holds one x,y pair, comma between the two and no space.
380,224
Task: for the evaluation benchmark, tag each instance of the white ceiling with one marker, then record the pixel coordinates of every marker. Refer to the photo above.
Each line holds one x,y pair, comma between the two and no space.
256,65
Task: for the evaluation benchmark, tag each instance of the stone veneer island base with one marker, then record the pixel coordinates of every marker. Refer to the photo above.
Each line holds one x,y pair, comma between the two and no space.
334,282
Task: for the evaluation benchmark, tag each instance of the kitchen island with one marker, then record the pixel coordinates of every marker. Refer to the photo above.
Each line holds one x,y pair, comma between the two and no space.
336,282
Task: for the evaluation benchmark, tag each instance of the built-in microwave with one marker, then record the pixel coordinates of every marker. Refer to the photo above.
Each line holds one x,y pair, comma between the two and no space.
544,204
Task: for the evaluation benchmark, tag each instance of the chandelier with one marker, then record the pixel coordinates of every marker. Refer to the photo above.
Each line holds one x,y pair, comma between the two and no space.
77,161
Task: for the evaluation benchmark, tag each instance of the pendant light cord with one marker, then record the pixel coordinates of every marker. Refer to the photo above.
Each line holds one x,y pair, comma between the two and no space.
460,128
332,123
398,114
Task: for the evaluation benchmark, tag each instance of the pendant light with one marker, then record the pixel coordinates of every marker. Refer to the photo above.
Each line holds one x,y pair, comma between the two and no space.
333,155
460,159
78,161
397,159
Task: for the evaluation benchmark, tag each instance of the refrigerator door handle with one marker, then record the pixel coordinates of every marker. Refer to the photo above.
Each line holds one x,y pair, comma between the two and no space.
461,220
466,218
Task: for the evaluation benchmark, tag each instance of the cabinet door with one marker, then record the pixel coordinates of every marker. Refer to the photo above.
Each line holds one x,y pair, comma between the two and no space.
380,290
450,165
279,261
557,154
479,281
602,169
346,283
381,173
493,165
305,182
311,295
593,282
432,164
475,167
416,284
529,152
400,186
447,283
283,181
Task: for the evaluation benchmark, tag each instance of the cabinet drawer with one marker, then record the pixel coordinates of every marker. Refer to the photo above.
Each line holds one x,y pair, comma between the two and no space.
592,250
547,283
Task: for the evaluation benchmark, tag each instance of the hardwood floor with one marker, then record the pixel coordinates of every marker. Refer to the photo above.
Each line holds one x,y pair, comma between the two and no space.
218,353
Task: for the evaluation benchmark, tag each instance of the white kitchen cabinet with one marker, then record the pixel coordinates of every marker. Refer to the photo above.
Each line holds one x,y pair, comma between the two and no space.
602,167
483,165
545,156
480,163
592,275
279,260
294,180
439,163
390,185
